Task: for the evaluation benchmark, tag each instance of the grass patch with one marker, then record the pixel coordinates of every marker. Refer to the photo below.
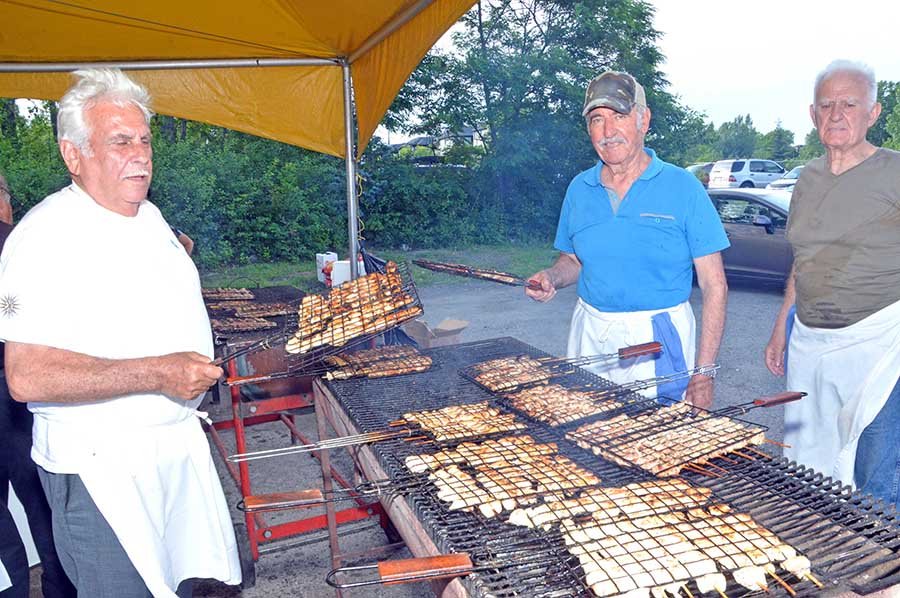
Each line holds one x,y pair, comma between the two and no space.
516,259
299,274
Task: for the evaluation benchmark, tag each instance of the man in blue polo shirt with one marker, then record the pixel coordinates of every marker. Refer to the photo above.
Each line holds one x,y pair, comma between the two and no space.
629,231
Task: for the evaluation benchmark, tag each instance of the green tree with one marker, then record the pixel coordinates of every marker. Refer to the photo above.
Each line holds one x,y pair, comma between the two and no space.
887,95
737,138
518,73
777,144
812,146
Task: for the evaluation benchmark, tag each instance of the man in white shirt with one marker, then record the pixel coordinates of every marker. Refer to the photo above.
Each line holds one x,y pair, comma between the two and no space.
108,341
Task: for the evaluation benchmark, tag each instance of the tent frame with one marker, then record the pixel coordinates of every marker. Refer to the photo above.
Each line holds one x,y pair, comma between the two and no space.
343,62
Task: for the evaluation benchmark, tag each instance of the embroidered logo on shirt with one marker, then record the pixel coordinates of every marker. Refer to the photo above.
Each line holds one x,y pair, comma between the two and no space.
657,216
9,306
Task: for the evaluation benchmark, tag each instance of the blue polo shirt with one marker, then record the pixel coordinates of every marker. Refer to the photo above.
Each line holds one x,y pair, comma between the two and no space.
639,258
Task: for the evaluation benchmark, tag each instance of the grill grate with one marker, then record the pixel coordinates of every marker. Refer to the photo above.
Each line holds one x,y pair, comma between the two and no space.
851,541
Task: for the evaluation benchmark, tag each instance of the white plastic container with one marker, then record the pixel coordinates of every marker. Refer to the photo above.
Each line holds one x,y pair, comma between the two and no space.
340,272
321,260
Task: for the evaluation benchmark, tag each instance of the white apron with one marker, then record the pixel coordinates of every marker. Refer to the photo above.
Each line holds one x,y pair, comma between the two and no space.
162,497
849,374
5,581
594,332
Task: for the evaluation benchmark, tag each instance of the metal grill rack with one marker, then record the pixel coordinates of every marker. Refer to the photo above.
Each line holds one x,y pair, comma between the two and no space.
665,440
352,314
852,543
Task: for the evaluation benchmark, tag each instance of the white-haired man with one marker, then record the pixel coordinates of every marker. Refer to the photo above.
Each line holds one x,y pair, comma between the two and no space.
108,341
844,346
629,232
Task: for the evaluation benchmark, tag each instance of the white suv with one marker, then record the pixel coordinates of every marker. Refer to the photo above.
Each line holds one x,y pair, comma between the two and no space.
744,173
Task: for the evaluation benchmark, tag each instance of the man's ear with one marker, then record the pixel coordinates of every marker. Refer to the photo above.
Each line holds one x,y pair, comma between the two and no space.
874,113
71,155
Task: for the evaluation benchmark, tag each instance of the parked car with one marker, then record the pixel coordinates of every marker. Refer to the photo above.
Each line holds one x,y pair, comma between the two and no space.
755,220
701,171
744,173
787,182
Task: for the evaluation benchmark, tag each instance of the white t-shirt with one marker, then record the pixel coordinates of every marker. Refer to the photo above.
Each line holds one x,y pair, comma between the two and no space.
77,276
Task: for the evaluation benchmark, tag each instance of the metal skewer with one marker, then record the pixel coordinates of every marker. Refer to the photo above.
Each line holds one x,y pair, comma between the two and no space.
629,352
334,443
479,273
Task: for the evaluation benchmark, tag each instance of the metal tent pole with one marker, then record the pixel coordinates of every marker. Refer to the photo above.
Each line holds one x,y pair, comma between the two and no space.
350,163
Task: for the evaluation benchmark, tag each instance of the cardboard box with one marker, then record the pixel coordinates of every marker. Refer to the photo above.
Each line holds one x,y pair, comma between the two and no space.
448,332
321,260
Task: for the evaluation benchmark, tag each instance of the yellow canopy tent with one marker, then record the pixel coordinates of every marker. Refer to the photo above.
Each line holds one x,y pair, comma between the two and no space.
283,69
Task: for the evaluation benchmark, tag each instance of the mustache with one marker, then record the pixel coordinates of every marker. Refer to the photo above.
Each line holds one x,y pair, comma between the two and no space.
608,140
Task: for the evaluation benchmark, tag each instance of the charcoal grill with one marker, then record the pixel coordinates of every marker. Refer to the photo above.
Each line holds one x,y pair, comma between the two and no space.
852,541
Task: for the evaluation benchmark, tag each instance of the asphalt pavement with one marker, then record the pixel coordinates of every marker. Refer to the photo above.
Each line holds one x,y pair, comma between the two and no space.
298,568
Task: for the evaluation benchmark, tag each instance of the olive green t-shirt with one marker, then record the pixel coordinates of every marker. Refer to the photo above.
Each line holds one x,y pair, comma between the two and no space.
845,233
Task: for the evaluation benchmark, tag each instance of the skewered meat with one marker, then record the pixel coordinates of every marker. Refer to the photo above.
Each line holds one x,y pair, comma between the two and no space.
382,362
505,473
557,405
226,305
508,373
463,270
226,294
230,325
608,504
664,440
463,421
481,453
264,310
658,552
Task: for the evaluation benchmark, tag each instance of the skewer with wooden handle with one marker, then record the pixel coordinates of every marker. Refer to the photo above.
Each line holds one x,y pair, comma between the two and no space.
445,566
479,273
629,352
769,401
315,497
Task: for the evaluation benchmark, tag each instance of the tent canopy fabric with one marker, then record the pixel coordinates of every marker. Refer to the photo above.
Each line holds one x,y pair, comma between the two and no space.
300,105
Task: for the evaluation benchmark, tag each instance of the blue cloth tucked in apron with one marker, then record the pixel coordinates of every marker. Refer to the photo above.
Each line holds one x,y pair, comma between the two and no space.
670,360
789,327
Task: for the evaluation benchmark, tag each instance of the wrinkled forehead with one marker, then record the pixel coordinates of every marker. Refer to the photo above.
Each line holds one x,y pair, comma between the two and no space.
112,117
843,84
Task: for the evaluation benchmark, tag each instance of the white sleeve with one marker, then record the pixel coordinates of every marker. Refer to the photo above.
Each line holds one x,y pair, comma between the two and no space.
39,294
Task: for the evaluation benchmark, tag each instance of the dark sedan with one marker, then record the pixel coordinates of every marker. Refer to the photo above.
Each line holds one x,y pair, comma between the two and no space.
755,221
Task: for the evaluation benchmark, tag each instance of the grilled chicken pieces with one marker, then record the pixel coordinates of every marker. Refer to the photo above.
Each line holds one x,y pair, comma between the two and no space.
665,440
464,421
557,405
367,305
381,362
508,373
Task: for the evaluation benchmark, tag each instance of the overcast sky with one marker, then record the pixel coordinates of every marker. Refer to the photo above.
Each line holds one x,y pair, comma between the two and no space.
761,57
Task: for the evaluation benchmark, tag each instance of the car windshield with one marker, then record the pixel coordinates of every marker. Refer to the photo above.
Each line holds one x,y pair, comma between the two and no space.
781,199
794,173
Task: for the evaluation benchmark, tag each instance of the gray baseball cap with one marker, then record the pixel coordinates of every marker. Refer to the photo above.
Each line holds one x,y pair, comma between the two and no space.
615,90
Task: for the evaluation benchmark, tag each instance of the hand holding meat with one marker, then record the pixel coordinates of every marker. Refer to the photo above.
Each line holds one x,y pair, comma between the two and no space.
186,375
547,290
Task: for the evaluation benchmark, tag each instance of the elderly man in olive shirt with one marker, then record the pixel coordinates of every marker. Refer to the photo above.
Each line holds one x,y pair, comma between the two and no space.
844,345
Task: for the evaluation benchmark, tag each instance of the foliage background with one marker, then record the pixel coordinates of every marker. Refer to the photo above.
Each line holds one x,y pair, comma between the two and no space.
516,73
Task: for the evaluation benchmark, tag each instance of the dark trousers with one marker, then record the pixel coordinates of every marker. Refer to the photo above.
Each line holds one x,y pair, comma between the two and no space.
16,467
878,453
88,547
